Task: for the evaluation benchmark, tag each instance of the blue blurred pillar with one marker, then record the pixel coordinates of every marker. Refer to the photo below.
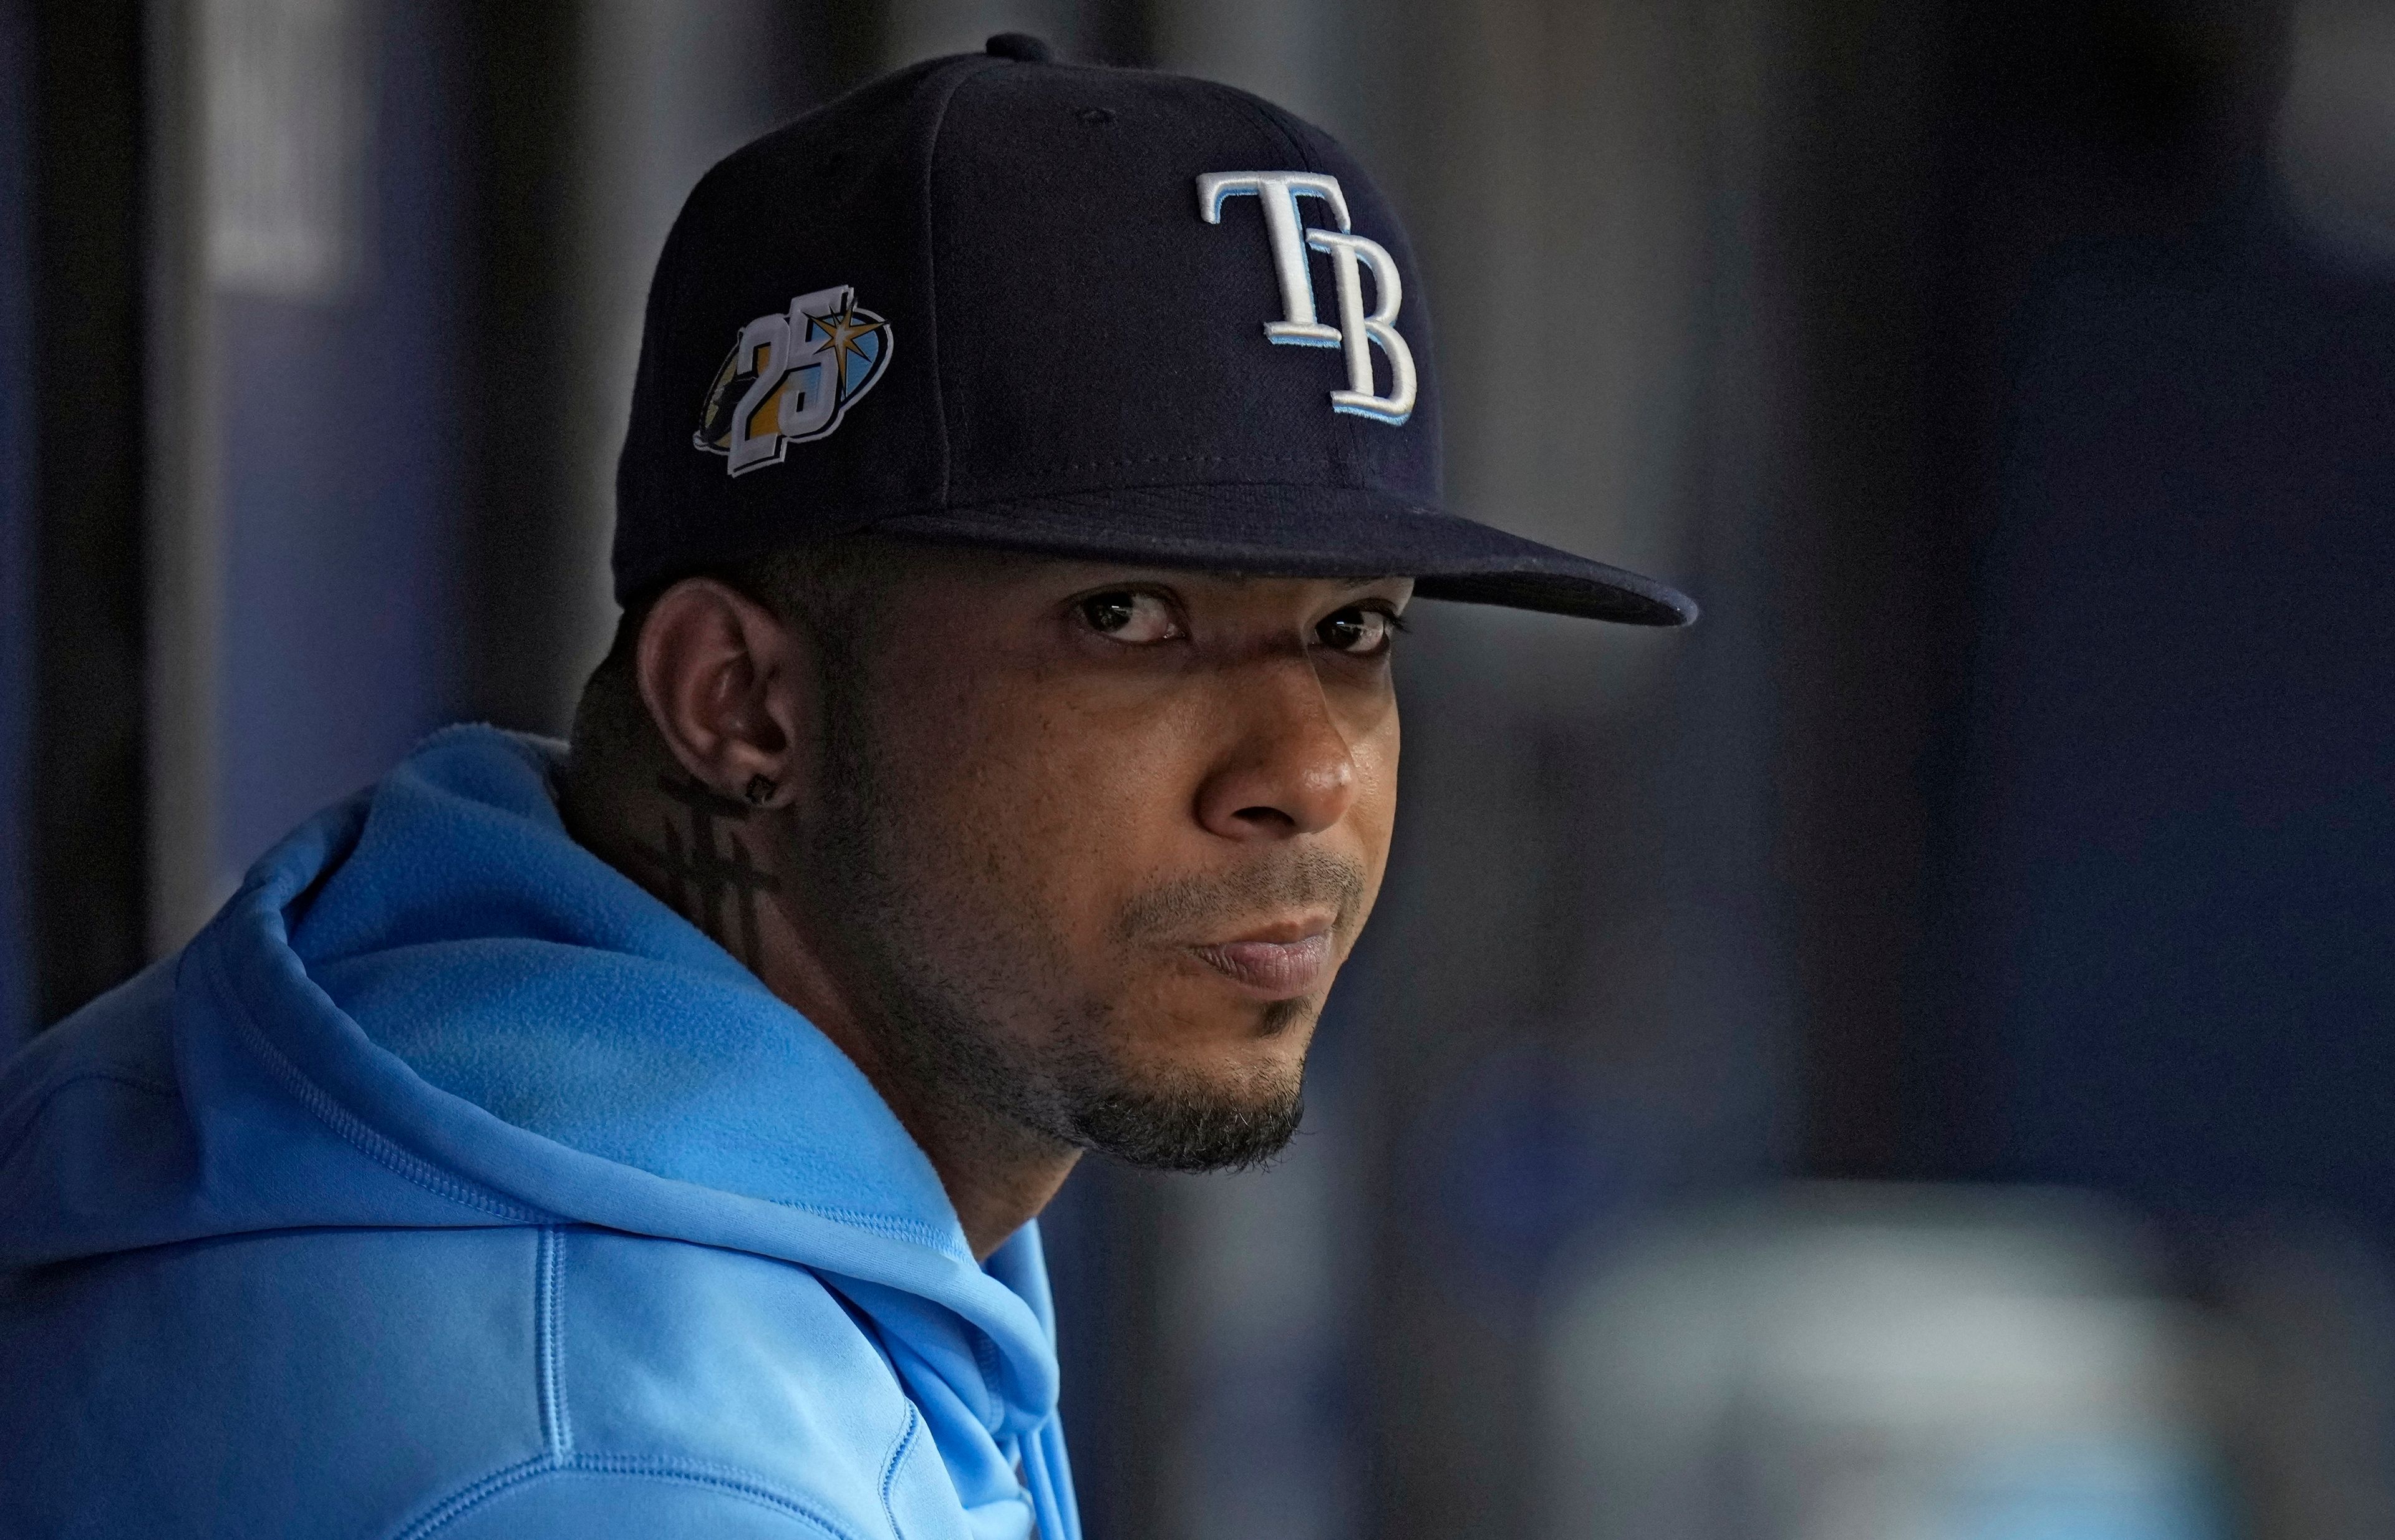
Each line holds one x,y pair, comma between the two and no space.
336,278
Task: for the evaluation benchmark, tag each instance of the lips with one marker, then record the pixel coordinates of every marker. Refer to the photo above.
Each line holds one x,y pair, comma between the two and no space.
1276,970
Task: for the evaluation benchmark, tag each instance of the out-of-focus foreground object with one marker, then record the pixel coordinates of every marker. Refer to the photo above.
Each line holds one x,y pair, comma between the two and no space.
1868,1362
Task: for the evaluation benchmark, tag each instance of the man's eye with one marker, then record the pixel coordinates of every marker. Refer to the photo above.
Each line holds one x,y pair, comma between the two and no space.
1135,619
1359,632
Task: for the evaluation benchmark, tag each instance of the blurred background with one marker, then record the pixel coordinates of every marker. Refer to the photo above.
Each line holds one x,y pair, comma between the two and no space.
1908,1059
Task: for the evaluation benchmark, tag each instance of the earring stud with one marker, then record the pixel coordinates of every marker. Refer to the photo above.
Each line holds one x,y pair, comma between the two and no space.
761,789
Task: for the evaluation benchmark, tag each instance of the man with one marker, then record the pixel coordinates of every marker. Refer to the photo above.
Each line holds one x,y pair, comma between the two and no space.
996,763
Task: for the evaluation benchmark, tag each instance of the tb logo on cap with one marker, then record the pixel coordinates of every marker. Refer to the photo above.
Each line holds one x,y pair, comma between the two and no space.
1358,332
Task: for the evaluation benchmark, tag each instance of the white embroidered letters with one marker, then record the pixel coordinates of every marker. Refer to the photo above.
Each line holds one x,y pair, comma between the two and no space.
1358,332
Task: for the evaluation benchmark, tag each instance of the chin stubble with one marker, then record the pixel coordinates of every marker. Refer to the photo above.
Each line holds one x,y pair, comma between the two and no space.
946,1029
1164,1128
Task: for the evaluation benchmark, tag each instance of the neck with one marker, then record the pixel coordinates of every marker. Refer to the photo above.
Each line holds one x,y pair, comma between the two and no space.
998,1174
719,864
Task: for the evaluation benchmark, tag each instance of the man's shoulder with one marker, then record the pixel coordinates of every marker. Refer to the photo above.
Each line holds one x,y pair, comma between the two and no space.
123,1036
371,1381
660,1343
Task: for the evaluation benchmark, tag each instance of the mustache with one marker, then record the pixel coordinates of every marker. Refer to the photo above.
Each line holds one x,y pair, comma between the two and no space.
1293,880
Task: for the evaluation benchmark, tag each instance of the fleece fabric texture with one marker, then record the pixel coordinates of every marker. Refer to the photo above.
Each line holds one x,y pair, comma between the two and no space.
449,1184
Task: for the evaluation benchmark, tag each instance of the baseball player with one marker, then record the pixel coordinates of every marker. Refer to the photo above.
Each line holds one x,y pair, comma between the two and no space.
1028,472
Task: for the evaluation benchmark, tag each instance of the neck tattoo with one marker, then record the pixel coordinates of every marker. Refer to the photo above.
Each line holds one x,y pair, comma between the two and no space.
697,872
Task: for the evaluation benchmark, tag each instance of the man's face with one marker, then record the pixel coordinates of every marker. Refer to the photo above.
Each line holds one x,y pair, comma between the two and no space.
1094,839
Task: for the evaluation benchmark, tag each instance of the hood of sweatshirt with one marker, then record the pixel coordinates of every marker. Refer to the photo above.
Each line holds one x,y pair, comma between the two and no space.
429,1007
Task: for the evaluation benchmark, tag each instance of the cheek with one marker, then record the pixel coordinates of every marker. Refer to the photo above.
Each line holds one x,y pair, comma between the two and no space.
1372,818
1376,764
1047,813
1102,808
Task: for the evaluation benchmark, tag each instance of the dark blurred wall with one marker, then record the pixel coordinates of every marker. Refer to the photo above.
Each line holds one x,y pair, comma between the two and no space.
83,805
2173,835
18,1005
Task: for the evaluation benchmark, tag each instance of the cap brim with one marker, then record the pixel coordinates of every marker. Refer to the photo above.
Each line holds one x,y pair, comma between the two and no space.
1308,532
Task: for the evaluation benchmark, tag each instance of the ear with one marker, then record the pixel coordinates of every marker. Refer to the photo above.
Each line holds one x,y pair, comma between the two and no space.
729,687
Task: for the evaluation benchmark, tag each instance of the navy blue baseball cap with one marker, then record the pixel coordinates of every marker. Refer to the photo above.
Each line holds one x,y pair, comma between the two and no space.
1000,301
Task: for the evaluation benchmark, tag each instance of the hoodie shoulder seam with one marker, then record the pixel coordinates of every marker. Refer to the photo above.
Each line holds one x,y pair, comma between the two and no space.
354,1131
24,1134
552,1264
898,1229
898,1452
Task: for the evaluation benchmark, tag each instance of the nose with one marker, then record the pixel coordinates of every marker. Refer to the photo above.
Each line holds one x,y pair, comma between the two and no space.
1289,770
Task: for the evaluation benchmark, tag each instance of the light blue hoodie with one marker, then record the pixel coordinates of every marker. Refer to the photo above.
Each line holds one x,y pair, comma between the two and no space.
449,1184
